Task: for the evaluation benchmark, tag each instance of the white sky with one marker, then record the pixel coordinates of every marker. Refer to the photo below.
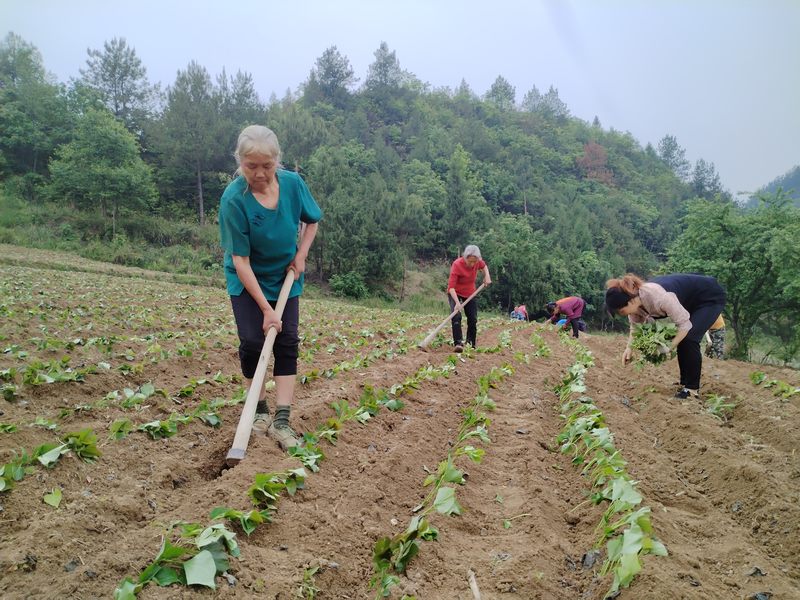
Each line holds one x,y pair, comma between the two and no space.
722,76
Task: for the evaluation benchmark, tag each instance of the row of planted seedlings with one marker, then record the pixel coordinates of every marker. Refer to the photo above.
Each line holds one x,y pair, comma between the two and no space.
207,411
195,554
83,443
625,527
36,371
397,347
782,390
175,562
83,331
391,555
354,336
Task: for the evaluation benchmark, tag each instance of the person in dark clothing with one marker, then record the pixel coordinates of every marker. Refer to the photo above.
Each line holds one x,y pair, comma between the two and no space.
572,308
693,302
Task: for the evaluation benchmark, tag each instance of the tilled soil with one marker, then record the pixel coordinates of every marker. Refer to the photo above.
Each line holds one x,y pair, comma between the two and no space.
725,495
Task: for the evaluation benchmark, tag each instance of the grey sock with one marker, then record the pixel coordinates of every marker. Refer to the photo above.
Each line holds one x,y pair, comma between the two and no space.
282,416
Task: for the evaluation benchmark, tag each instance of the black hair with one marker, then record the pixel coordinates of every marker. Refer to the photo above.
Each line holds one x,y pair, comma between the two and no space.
616,299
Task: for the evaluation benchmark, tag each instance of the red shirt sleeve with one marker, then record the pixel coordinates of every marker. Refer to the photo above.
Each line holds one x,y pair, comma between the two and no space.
462,277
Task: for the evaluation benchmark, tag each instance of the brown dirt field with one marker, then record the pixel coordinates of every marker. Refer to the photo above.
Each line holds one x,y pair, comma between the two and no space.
725,496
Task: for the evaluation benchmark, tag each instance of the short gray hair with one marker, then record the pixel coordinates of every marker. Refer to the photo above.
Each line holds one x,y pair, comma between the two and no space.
257,139
472,250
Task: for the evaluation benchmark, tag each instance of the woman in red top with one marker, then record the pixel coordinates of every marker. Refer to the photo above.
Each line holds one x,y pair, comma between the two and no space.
460,286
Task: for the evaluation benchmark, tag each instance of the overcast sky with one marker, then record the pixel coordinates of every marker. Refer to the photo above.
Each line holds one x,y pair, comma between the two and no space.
722,76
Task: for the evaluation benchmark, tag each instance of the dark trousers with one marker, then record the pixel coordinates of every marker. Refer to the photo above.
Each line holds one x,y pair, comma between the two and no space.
249,324
471,310
575,322
690,359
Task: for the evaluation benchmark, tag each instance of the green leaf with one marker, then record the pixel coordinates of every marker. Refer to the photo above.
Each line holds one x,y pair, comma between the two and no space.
453,475
126,590
221,512
394,404
629,566
218,533
120,429
217,550
446,503
658,548
167,576
201,570
166,553
53,498
49,457
475,454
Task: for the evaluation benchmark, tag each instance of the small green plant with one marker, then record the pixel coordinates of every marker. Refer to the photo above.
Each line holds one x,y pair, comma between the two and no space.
248,521
48,454
84,444
267,487
507,522
45,422
308,589
120,429
195,559
8,374
14,471
719,407
9,392
53,498
309,453
651,339
134,398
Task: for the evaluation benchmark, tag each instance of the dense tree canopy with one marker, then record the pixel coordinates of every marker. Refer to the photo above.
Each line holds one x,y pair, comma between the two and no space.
101,168
404,174
117,75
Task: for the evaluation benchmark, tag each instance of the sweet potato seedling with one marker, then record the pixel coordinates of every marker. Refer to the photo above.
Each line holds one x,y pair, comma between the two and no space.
650,339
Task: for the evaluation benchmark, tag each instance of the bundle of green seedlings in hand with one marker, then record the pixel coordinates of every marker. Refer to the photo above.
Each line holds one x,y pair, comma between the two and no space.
650,339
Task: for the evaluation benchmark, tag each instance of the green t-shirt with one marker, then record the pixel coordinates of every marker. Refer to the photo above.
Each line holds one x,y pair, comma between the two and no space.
267,236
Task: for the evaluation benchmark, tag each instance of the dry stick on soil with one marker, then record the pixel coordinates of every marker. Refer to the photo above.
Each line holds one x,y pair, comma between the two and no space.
433,333
473,584
242,437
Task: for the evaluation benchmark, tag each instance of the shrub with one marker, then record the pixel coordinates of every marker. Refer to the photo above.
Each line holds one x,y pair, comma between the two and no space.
349,285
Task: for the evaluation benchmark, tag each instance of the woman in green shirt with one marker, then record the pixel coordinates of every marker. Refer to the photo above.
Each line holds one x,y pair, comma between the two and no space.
260,217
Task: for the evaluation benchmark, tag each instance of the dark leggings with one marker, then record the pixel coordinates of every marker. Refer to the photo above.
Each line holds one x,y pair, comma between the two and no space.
471,310
578,316
690,359
250,322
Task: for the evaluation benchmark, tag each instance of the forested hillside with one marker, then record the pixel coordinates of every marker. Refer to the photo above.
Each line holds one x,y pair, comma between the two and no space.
112,166
789,183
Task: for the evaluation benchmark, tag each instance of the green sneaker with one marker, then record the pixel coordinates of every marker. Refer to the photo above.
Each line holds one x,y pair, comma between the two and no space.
285,436
262,423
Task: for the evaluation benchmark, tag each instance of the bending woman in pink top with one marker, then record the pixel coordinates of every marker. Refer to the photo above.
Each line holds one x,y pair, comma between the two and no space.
460,286
571,307
692,302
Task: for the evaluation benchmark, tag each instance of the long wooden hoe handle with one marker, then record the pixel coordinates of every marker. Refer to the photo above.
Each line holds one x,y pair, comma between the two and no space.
433,333
242,437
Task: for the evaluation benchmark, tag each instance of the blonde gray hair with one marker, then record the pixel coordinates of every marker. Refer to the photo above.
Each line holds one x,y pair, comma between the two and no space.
257,139
472,250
